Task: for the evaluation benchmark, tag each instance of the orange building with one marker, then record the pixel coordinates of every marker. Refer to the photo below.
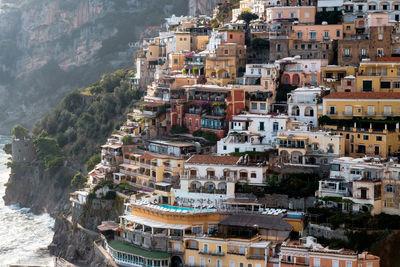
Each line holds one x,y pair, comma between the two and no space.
317,33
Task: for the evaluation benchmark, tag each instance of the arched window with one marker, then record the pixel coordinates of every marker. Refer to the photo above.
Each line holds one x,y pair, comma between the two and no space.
389,188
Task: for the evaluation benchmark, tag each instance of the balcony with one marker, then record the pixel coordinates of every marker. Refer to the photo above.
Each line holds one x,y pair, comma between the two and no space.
295,263
347,113
212,253
255,257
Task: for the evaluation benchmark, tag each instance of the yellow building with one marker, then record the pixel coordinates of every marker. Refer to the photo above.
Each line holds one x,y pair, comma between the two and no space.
333,75
222,68
200,42
360,142
150,169
379,76
374,105
176,61
183,42
309,147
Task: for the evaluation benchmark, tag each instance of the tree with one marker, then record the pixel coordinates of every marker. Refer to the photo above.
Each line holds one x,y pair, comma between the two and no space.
78,180
259,43
19,132
127,140
8,148
247,17
93,161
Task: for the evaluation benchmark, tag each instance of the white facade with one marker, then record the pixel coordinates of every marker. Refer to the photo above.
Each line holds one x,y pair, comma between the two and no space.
303,104
252,132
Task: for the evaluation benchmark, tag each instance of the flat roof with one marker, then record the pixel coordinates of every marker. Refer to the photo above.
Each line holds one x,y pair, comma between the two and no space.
154,224
130,249
209,159
364,95
172,143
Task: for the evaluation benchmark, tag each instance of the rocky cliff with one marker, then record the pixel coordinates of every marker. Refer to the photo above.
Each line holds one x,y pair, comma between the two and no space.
202,7
49,47
31,187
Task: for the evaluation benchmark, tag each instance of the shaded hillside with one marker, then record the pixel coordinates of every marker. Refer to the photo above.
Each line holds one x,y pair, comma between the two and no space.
50,47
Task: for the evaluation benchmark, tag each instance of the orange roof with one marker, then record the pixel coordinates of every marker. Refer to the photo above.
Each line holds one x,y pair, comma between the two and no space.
148,157
388,59
364,95
207,159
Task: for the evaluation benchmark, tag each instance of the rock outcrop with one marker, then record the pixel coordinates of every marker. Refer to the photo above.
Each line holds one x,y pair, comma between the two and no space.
31,187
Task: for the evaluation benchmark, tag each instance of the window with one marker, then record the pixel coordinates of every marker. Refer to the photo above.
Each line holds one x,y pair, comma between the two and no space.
299,35
367,86
385,85
241,264
205,247
275,126
387,110
289,258
384,7
396,7
261,128
364,52
380,50
278,47
219,263
378,138
237,149
254,105
349,264
266,84
317,263
263,106
347,52
365,137
175,61
191,261
231,264
291,15
226,52
219,249
338,33
312,35
253,175
279,15
332,110
202,262
376,150
389,188
335,263
326,35
389,203
315,147
307,15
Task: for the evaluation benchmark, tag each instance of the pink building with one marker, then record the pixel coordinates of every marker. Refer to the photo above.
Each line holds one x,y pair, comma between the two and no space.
317,32
300,72
304,14
378,19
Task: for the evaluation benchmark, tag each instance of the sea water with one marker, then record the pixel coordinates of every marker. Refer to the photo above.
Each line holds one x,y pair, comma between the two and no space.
24,237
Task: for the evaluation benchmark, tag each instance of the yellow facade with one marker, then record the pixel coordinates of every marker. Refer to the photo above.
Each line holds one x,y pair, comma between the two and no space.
183,42
223,66
378,77
370,143
146,170
349,29
207,251
200,43
347,108
176,61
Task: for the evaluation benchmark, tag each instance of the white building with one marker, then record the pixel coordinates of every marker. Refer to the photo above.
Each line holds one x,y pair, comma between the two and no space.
214,177
304,103
252,132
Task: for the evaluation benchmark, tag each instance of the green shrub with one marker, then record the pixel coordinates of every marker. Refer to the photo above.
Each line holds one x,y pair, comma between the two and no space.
79,180
198,133
176,129
19,132
93,161
8,148
111,195
127,140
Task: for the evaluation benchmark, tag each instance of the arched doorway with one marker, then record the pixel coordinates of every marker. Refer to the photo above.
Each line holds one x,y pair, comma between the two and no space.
295,111
176,261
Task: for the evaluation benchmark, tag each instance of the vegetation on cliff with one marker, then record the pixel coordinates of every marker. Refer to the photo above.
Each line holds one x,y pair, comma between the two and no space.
86,117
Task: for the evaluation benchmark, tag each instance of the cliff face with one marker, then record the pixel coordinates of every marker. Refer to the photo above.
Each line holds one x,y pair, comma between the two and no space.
31,187
202,7
49,47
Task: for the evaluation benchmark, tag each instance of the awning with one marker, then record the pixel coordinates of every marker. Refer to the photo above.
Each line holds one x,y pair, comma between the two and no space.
129,166
154,224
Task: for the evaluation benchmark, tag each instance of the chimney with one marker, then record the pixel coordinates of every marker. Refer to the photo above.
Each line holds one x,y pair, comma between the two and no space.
397,127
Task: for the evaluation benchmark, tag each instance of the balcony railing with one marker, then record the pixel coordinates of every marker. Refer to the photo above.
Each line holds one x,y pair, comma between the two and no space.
212,253
255,257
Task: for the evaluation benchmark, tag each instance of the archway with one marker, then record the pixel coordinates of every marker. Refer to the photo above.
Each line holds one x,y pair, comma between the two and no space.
285,156
176,261
297,157
296,79
309,112
295,111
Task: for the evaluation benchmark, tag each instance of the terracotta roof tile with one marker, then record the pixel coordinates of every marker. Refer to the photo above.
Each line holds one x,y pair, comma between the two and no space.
208,159
364,95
